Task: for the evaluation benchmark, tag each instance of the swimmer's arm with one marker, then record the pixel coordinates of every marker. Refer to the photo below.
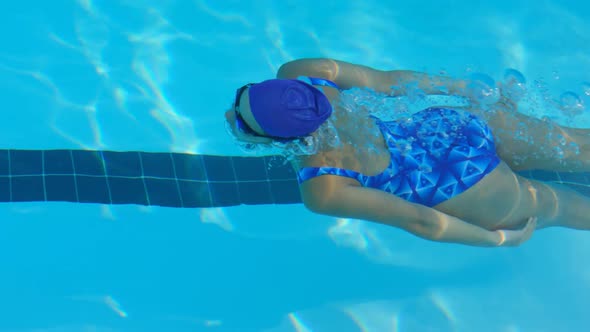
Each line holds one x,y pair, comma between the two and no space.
346,75
377,206
402,82
393,82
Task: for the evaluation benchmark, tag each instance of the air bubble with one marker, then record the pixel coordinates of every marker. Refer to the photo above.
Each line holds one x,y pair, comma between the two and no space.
575,148
483,89
512,74
514,85
558,152
586,88
571,103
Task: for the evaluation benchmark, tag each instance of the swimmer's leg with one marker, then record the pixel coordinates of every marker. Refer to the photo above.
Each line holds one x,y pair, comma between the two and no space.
560,206
526,142
504,200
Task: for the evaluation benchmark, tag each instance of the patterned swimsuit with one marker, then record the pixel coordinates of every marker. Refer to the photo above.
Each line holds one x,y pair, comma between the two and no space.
436,154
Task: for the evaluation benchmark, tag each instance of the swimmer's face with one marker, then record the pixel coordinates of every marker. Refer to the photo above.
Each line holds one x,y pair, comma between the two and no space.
250,129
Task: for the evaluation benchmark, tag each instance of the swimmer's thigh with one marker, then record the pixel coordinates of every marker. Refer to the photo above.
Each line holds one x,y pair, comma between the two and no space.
502,199
525,142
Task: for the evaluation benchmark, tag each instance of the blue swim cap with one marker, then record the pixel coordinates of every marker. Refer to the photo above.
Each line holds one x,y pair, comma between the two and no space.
288,108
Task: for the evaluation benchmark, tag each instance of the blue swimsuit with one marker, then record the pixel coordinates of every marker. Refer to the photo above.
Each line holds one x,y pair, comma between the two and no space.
436,154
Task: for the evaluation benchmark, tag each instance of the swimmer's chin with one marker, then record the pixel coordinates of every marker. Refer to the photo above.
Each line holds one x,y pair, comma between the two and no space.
253,139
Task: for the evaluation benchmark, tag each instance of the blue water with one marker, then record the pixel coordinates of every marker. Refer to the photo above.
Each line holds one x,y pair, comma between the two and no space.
156,75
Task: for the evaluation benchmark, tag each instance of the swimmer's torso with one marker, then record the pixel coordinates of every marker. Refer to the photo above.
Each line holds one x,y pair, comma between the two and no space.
432,156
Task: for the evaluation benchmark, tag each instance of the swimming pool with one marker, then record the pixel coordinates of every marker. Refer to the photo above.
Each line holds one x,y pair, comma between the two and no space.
155,76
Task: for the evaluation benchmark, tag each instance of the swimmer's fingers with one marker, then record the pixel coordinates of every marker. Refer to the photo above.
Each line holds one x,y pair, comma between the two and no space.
512,238
528,230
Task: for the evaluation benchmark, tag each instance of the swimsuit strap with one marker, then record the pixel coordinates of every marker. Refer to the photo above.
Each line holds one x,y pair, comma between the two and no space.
319,81
307,173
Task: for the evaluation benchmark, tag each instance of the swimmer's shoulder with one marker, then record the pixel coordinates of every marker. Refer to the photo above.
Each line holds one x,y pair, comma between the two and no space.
316,190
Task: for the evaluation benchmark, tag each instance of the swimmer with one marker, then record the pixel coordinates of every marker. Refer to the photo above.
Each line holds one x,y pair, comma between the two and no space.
444,174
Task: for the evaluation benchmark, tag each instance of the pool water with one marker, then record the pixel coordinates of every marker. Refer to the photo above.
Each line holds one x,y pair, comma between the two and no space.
158,75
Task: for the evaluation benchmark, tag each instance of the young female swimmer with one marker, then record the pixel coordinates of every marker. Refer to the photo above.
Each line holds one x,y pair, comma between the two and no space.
444,174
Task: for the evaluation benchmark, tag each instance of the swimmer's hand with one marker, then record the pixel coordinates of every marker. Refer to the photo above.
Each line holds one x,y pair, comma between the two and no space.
513,238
